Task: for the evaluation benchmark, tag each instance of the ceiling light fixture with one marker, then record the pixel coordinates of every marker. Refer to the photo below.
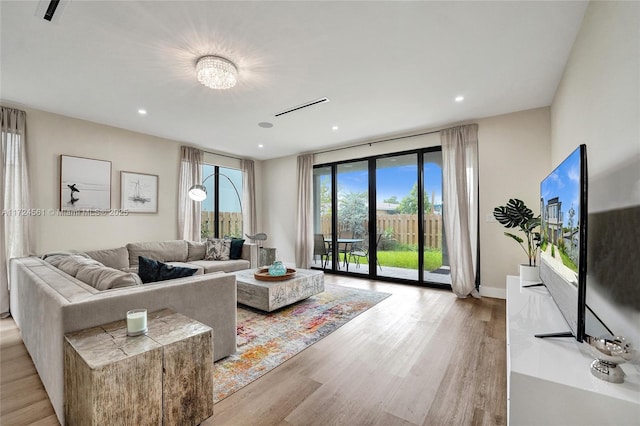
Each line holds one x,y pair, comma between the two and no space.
459,98
216,72
142,111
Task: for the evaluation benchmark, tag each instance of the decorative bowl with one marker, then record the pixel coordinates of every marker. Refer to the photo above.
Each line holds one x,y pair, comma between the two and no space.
263,275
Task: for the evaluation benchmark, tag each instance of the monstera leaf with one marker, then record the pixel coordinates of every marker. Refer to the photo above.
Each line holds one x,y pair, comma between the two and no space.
515,214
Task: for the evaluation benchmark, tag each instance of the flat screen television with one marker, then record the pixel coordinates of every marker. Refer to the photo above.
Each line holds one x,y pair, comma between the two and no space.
563,240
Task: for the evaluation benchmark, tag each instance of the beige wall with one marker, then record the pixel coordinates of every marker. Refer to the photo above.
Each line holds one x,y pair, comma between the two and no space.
514,158
50,135
514,152
598,103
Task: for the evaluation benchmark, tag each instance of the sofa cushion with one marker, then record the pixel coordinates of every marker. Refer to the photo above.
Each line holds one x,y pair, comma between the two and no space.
222,266
196,250
236,248
70,264
103,278
163,251
151,270
63,253
218,249
117,258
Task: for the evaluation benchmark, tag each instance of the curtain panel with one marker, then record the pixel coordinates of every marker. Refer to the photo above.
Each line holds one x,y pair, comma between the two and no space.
15,232
249,217
189,211
304,234
460,194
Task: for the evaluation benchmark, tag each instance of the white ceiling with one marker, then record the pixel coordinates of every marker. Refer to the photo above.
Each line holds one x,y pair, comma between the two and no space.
388,67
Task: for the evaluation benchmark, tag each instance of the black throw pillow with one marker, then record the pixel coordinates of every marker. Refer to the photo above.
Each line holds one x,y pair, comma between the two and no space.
236,248
151,271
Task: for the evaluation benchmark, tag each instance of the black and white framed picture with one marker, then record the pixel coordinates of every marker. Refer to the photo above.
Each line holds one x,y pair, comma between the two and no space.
139,192
85,183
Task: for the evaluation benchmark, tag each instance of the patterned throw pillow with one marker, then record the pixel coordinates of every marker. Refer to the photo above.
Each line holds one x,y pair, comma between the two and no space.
218,249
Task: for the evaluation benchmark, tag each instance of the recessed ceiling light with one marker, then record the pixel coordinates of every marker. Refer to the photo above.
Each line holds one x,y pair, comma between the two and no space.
334,128
142,111
459,98
265,124
260,146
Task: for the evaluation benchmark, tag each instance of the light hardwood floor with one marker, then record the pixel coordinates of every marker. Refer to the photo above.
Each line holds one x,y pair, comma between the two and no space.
420,357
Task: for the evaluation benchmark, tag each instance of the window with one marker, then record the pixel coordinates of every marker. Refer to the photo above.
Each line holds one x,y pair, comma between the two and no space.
222,209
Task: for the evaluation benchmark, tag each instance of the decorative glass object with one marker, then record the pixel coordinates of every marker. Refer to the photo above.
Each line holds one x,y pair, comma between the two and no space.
277,269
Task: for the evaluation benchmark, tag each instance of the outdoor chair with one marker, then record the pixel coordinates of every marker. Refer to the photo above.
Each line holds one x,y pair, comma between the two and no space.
361,250
321,248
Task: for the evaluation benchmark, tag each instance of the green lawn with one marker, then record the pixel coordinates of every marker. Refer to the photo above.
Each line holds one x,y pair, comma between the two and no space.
407,259
566,260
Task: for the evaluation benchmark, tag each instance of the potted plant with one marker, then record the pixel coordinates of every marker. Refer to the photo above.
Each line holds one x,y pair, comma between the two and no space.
517,215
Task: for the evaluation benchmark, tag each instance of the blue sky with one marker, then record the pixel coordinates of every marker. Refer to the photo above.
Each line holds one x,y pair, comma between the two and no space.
564,183
396,181
228,198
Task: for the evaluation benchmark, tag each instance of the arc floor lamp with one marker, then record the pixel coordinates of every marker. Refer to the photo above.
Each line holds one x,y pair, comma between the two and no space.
198,192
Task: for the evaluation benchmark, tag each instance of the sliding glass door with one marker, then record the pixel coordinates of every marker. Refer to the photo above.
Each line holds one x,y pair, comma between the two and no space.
322,217
397,213
381,217
436,261
353,211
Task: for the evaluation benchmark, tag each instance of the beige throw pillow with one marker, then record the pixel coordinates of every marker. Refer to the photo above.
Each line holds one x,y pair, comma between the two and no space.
196,250
72,263
117,258
218,249
105,278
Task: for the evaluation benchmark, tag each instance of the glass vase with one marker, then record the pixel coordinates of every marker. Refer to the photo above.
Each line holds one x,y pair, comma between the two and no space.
277,269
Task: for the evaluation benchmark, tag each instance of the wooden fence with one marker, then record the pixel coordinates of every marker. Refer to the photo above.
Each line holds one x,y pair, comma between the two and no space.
403,228
230,224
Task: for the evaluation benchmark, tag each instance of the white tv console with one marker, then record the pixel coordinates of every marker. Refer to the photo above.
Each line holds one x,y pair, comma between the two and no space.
548,380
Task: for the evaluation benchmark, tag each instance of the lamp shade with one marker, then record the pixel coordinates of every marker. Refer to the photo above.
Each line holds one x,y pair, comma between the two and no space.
198,192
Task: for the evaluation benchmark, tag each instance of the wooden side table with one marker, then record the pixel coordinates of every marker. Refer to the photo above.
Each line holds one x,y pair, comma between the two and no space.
163,377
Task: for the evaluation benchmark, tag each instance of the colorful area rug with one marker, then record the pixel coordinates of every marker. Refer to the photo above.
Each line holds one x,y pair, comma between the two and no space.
266,340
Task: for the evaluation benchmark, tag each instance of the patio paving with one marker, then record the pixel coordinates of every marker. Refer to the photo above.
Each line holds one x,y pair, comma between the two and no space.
441,277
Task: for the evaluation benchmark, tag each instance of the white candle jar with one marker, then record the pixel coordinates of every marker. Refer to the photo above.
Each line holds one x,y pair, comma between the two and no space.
136,322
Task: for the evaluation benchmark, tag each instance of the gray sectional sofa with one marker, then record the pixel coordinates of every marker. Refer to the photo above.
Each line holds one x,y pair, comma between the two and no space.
47,302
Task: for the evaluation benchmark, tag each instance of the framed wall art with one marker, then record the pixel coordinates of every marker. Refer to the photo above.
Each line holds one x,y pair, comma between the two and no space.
139,192
85,183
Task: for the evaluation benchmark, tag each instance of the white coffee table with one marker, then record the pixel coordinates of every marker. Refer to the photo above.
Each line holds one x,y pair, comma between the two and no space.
271,295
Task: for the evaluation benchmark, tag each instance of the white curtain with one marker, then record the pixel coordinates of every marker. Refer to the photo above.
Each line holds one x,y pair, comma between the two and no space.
249,217
15,232
189,214
304,234
460,196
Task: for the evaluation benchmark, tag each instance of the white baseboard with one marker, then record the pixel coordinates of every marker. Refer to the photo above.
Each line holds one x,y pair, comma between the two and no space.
494,292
